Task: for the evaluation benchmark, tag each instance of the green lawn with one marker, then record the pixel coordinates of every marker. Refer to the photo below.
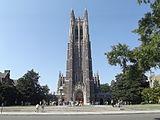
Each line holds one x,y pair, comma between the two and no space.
82,105
21,106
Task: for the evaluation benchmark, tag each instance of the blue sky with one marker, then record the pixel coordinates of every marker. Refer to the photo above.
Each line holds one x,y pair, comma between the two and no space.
34,34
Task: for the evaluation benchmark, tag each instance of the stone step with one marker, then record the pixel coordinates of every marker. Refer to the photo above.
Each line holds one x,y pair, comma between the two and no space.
81,109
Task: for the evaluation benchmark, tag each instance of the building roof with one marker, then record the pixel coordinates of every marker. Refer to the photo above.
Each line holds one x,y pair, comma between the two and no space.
15,82
3,75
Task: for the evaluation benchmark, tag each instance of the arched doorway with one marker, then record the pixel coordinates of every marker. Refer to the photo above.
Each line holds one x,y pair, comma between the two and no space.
101,101
79,96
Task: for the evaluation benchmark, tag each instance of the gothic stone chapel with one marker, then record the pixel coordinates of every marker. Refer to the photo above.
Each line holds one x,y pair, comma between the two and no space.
79,83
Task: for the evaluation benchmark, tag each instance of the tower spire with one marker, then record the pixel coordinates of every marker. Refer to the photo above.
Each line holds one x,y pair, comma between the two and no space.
72,14
59,74
72,22
86,14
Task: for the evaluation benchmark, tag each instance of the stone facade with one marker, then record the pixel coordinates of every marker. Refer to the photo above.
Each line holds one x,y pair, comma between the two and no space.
5,77
153,78
79,82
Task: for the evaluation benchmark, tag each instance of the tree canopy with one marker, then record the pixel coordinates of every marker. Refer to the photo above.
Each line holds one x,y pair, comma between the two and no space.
105,87
8,94
29,89
119,55
129,84
152,95
148,53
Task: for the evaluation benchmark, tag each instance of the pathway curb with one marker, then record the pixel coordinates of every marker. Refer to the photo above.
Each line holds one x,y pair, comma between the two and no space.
78,113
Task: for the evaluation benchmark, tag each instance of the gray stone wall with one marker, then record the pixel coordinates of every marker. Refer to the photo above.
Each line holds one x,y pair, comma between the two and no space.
79,78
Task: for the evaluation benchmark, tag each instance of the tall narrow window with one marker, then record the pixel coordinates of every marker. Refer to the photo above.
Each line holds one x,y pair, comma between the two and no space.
76,32
81,32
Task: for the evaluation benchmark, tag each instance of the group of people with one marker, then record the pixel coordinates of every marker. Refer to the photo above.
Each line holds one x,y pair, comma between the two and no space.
118,104
79,103
71,103
38,106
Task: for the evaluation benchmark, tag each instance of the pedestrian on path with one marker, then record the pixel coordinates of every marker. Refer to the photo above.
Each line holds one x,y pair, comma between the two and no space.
42,106
37,108
2,107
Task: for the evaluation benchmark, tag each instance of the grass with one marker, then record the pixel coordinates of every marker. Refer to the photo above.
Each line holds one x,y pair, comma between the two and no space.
21,106
151,104
83,105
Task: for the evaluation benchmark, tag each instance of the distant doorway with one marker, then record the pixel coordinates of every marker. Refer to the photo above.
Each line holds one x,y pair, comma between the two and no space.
101,101
79,95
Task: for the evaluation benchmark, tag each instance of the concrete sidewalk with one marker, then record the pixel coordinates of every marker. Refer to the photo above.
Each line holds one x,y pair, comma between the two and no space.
90,110
84,113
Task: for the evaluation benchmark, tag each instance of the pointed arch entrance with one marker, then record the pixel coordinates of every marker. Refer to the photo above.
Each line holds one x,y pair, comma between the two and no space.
79,95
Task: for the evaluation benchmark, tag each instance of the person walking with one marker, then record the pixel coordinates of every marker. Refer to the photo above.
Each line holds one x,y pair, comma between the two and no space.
37,108
80,103
2,107
42,106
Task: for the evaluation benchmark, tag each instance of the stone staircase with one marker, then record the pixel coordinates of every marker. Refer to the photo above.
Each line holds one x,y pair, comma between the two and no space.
83,108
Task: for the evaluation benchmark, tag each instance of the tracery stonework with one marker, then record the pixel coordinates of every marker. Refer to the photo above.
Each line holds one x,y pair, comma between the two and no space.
79,83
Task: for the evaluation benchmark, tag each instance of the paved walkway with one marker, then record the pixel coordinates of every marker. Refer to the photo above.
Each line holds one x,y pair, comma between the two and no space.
84,113
66,110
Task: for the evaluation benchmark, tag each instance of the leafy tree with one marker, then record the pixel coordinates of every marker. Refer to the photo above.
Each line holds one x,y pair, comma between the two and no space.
118,88
141,1
135,82
8,94
119,55
105,87
30,91
146,95
155,97
45,89
152,95
129,85
29,87
1,93
148,53
45,93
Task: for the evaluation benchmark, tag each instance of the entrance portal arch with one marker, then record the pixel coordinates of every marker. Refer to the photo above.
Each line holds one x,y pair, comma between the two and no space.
101,102
79,95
